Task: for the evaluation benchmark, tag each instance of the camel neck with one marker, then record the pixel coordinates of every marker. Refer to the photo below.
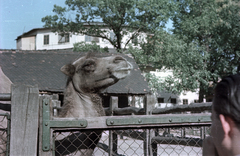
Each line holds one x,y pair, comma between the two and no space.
79,104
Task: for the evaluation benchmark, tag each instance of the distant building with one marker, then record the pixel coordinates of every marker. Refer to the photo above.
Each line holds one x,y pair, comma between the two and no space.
166,99
45,39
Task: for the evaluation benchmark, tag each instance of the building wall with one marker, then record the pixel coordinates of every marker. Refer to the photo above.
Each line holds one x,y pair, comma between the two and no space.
19,43
191,97
27,43
53,41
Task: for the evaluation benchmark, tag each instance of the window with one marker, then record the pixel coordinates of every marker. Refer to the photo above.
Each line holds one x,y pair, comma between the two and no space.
185,101
173,100
46,39
113,36
160,100
196,101
91,39
88,38
95,39
63,38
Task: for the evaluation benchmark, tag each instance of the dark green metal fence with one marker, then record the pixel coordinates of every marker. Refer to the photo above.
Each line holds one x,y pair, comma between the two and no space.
177,141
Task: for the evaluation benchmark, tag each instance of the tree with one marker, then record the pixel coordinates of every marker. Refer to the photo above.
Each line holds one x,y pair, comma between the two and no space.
203,46
123,18
168,52
213,25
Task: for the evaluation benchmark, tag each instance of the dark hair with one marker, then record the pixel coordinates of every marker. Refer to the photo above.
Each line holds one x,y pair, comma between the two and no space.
227,97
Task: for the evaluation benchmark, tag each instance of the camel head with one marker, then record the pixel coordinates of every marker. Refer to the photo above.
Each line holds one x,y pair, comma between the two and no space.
90,74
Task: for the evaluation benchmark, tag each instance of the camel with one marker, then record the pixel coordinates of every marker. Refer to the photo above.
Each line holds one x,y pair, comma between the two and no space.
87,76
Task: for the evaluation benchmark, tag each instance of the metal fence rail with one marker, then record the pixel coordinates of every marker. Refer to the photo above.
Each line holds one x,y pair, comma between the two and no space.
4,134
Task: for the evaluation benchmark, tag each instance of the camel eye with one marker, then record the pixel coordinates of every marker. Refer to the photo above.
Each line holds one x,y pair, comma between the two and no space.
118,59
89,65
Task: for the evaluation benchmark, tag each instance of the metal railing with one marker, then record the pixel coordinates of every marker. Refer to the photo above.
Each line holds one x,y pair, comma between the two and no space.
128,142
164,134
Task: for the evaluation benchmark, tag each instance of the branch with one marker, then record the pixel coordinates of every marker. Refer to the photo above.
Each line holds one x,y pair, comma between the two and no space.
136,33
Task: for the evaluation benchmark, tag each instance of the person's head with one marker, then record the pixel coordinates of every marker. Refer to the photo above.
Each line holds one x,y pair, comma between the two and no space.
226,116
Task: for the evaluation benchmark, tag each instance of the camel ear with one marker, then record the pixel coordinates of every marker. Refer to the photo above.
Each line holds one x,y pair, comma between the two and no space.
68,69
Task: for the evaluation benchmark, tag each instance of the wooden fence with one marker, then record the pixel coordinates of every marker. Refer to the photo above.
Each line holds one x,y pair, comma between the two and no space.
31,128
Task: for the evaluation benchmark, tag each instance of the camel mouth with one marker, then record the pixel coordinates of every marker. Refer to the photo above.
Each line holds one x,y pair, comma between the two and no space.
105,78
118,74
122,73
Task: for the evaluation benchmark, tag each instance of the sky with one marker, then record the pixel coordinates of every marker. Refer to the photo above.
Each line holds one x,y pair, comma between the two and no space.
19,16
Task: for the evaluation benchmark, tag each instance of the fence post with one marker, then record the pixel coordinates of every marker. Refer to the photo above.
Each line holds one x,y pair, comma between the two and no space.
149,102
183,132
113,139
41,103
24,120
202,132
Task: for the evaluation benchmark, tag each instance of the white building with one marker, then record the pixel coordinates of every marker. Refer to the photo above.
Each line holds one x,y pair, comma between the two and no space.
45,39
166,99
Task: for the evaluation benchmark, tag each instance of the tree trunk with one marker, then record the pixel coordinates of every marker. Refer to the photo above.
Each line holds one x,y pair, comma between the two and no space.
201,93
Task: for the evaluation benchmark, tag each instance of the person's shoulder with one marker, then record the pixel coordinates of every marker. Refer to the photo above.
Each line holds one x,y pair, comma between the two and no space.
209,147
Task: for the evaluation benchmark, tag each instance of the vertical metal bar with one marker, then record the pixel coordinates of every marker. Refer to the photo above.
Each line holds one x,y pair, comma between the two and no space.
53,144
45,125
113,139
183,132
202,132
149,102
154,145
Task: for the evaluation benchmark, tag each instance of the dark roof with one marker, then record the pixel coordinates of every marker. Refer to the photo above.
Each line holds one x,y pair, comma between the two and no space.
43,68
32,32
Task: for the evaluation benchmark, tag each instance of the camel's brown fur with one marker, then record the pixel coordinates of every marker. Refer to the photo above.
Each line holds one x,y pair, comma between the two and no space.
87,76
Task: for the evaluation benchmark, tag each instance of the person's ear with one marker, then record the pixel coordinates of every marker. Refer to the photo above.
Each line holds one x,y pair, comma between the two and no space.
226,124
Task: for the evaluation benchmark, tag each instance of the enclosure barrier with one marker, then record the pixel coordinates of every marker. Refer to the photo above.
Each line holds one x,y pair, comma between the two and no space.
35,129
148,132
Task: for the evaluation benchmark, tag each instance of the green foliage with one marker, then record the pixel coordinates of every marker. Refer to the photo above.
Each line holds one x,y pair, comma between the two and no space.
213,26
86,47
123,18
166,51
203,46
